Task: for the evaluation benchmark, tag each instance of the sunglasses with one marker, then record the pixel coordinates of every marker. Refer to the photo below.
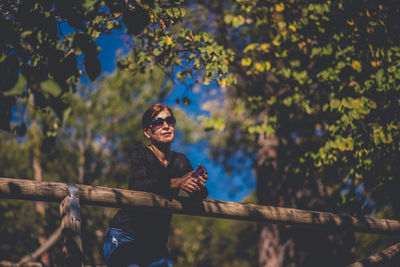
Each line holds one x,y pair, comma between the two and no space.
159,122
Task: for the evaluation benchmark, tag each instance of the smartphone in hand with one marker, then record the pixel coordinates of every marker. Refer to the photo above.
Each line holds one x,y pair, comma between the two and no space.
199,171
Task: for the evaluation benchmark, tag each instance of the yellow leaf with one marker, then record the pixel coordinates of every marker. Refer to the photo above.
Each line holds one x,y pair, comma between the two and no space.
376,63
250,47
267,65
238,21
353,83
276,42
356,65
169,40
264,47
280,7
259,67
301,45
292,28
206,81
350,22
223,83
246,61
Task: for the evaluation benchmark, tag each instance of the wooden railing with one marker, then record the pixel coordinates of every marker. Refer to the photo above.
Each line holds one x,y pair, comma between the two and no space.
113,197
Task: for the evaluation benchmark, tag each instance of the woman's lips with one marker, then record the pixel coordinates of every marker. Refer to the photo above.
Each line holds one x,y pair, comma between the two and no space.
166,134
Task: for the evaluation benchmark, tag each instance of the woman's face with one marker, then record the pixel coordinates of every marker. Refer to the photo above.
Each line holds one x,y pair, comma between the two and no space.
165,134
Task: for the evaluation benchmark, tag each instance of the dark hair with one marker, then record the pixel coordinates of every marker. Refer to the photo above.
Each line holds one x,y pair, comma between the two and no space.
152,112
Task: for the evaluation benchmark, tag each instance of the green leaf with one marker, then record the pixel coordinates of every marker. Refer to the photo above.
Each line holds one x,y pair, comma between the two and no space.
18,87
176,12
379,76
135,20
51,87
228,18
26,33
334,103
86,43
92,67
157,52
371,104
66,114
347,102
89,4
169,12
183,11
287,101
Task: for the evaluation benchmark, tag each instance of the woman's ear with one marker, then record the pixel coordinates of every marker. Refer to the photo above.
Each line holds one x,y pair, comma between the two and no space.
146,133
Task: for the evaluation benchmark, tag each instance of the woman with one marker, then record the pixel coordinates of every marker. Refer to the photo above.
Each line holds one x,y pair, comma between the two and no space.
138,238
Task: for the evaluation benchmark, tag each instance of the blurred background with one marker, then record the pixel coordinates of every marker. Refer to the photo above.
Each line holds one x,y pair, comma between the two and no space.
292,104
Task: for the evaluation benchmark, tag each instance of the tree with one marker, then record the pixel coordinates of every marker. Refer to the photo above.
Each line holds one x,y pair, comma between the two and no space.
47,42
311,93
326,129
321,95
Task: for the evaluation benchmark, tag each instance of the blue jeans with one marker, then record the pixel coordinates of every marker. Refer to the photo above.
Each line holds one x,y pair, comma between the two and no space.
129,253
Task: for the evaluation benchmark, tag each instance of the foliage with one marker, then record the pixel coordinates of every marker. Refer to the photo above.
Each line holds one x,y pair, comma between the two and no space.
320,79
328,83
39,58
315,103
47,42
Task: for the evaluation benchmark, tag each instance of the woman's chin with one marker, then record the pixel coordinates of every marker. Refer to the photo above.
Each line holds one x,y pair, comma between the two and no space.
165,140
168,139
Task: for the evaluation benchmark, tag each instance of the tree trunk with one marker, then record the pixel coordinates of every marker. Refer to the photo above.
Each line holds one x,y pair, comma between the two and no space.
274,250
281,245
37,176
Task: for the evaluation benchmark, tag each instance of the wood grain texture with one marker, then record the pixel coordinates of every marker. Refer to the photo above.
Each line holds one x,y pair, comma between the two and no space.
112,197
389,255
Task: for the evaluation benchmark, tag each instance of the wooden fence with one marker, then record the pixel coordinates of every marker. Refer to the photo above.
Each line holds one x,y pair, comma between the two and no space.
113,197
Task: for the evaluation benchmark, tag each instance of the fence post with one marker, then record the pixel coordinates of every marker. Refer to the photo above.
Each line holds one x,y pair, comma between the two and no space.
71,228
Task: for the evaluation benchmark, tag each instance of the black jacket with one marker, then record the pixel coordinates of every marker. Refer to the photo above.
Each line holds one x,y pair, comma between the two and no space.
150,175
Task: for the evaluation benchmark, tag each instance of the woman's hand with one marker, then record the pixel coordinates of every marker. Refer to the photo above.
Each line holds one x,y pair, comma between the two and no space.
189,183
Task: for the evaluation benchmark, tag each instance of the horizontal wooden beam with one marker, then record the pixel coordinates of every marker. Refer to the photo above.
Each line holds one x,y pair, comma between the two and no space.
13,264
113,197
389,255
